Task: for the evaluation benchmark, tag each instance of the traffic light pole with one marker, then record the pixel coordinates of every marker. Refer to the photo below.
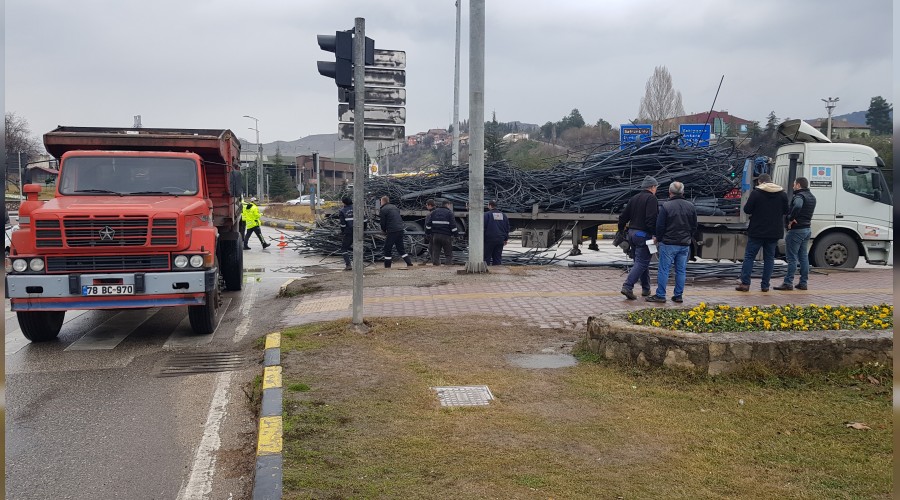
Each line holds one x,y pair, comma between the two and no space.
359,167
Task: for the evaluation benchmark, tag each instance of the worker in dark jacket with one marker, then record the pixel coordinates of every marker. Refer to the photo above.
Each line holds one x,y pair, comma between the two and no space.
392,226
496,234
346,222
640,216
767,205
796,242
675,227
440,227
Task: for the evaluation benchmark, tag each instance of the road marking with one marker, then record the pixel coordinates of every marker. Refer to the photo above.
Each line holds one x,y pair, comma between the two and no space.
272,377
15,341
112,331
199,483
247,301
183,335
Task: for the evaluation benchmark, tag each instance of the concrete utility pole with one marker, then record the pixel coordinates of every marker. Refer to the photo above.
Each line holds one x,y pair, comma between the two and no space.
359,168
259,172
316,190
476,138
830,104
454,157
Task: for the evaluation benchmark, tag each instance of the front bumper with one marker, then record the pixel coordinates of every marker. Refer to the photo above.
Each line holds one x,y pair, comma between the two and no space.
29,292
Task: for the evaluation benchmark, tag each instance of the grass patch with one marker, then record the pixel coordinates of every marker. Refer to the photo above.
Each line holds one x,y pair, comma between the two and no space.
299,287
724,318
297,387
373,427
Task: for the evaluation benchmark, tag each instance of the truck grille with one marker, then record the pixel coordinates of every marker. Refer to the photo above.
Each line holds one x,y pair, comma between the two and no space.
108,263
106,232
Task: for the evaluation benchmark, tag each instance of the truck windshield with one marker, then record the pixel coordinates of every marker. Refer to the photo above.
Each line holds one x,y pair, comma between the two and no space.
99,175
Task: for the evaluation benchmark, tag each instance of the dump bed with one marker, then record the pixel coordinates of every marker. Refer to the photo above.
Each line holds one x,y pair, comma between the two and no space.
213,145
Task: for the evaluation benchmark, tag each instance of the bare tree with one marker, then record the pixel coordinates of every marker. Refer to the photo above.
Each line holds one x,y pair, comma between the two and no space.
661,101
18,137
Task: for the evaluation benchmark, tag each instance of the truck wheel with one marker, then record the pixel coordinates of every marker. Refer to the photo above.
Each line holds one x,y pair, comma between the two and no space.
835,250
40,326
232,264
203,318
415,243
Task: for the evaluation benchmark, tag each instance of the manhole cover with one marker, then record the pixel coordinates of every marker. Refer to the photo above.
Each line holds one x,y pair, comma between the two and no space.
473,395
201,362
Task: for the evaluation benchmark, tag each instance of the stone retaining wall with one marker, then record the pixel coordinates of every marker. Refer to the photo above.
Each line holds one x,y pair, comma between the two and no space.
613,337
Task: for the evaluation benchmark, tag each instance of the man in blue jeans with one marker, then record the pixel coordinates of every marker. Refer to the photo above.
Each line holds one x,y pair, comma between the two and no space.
675,227
803,204
640,216
767,205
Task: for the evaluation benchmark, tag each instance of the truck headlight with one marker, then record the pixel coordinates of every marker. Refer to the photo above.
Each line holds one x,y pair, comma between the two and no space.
36,265
20,265
196,260
181,261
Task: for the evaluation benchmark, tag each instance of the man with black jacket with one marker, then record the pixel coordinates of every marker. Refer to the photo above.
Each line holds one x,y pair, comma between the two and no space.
640,216
440,227
767,205
392,226
496,234
675,227
803,204
346,218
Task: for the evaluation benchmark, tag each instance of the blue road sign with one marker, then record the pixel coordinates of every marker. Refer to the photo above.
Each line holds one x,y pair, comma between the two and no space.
629,134
694,135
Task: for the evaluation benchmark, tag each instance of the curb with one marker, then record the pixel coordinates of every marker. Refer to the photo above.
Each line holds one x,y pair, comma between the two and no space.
267,483
285,225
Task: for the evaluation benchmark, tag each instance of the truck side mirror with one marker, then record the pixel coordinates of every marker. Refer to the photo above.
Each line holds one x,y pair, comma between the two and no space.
236,184
876,195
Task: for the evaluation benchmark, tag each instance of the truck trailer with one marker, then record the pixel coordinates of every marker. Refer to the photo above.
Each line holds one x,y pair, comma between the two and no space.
141,217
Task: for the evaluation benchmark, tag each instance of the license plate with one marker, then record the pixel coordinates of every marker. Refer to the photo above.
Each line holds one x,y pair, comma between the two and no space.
107,290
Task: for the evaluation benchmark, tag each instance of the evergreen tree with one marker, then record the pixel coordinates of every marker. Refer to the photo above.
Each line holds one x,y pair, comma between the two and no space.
279,182
494,147
879,116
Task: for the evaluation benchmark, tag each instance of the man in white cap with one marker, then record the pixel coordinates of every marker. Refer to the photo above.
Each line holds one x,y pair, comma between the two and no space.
640,216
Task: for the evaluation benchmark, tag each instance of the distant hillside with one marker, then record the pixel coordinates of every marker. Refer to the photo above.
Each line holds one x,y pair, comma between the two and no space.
856,117
326,145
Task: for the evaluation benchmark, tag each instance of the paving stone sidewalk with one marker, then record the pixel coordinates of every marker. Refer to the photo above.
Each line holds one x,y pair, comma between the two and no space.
556,296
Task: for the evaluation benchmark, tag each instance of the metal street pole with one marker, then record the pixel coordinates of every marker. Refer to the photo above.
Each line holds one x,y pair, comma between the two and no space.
830,105
259,172
21,182
476,138
315,191
454,157
359,167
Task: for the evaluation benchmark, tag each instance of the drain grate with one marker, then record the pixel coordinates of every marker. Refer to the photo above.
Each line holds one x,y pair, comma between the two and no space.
464,395
201,362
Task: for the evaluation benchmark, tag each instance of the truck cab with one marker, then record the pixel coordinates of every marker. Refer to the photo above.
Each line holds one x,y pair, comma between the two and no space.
854,206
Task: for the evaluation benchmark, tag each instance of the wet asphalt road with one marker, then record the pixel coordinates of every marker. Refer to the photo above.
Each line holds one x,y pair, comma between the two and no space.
88,416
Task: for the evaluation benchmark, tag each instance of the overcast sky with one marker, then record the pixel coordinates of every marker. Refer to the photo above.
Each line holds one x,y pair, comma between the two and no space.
205,64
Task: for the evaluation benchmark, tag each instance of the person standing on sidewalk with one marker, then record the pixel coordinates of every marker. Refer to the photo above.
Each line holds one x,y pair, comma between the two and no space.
440,227
346,218
496,234
251,216
767,205
803,204
392,226
675,227
640,216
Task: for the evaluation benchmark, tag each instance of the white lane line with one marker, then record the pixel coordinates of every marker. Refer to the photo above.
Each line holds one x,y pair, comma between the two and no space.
199,484
113,331
15,341
247,301
184,336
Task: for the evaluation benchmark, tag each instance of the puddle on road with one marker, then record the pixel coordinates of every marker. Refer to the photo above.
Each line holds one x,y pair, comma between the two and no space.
541,360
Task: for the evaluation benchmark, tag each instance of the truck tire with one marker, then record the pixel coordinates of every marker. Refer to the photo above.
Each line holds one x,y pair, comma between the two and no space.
835,250
40,326
203,318
232,264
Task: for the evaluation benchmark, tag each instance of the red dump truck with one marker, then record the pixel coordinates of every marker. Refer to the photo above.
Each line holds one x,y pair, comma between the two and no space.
144,217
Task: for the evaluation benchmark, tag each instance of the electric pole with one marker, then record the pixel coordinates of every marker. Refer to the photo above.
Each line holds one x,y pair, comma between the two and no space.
454,157
830,105
476,138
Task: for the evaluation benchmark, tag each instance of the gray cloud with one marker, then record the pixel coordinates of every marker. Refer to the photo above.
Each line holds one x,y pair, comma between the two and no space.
207,63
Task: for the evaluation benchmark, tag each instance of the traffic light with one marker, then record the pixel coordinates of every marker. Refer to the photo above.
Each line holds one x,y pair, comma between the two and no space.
341,43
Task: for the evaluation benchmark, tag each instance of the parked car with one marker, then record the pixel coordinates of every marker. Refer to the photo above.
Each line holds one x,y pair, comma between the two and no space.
304,200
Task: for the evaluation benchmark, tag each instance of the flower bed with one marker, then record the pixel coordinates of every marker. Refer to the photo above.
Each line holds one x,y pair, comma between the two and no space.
724,318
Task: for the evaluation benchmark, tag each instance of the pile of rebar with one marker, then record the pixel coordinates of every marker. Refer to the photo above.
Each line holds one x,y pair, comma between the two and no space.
600,183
